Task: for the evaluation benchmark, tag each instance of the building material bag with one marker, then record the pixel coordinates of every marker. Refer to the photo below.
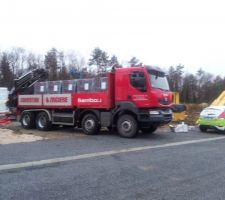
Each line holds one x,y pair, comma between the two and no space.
180,128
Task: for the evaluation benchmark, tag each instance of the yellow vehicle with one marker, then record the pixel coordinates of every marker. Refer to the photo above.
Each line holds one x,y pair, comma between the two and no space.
220,101
179,110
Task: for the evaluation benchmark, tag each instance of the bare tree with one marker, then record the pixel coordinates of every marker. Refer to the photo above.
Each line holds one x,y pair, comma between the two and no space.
17,59
75,63
34,61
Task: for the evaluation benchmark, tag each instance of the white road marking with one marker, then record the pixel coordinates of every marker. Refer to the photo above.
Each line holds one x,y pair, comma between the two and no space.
146,168
98,154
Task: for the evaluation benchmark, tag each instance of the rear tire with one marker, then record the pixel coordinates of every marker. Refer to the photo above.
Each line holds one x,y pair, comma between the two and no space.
42,122
203,128
127,126
90,124
27,120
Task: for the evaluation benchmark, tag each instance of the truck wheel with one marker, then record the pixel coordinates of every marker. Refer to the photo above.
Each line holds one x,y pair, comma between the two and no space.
42,122
149,130
90,124
27,120
203,128
127,126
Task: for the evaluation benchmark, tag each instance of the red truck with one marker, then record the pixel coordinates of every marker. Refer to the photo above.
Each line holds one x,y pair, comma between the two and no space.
127,99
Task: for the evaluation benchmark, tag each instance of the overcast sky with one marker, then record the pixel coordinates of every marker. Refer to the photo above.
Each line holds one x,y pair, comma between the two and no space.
160,32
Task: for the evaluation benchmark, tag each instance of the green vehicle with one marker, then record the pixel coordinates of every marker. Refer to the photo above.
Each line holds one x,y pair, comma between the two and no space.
212,117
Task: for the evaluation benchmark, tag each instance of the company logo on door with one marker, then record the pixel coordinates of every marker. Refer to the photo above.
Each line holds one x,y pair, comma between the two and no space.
140,97
57,100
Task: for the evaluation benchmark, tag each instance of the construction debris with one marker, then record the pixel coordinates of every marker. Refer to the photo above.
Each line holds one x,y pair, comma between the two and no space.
180,128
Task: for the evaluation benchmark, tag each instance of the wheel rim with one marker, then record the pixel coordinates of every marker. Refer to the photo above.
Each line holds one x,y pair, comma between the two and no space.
42,122
89,124
126,126
26,120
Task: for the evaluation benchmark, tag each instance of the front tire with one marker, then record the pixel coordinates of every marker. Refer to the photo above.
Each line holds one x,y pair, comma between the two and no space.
90,124
28,120
127,126
42,122
203,128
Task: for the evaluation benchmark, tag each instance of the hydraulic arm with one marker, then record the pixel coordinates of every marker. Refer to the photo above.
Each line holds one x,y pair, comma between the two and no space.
23,85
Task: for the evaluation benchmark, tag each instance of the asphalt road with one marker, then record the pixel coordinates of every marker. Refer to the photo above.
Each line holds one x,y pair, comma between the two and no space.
194,170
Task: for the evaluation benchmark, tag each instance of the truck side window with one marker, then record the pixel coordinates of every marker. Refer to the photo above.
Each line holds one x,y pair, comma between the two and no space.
100,84
137,80
84,85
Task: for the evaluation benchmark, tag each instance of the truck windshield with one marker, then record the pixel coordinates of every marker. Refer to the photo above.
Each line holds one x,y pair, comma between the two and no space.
158,80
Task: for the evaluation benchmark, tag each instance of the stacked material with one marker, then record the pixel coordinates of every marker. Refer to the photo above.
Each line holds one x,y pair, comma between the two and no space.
3,99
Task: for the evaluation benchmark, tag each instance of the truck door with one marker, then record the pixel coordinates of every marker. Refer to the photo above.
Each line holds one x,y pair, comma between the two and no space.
137,90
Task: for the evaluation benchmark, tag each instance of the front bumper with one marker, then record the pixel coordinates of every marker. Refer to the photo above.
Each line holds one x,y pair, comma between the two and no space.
215,123
161,116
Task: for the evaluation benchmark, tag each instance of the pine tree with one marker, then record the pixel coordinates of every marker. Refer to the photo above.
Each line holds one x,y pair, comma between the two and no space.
189,89
114,61
175,78
134,62
6,75
99,58
51,63
63,72
171,73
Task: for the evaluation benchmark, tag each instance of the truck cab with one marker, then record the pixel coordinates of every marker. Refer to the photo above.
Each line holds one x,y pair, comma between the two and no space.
144,86
145,92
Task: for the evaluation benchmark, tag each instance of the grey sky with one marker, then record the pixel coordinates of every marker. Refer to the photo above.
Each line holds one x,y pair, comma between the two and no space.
159,32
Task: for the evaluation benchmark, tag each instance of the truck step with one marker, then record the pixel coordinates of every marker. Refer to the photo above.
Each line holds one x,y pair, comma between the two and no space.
63,118
63,115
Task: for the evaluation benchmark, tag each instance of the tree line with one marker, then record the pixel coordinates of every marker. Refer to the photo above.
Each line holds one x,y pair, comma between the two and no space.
193,88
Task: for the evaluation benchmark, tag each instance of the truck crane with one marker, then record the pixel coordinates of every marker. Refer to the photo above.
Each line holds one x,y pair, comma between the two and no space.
126,99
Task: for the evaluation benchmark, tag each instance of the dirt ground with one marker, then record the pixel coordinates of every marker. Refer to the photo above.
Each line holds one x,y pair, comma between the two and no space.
193,112
8,136
14,133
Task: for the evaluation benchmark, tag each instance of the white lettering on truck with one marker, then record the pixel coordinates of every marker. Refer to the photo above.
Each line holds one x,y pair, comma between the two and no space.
89,100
